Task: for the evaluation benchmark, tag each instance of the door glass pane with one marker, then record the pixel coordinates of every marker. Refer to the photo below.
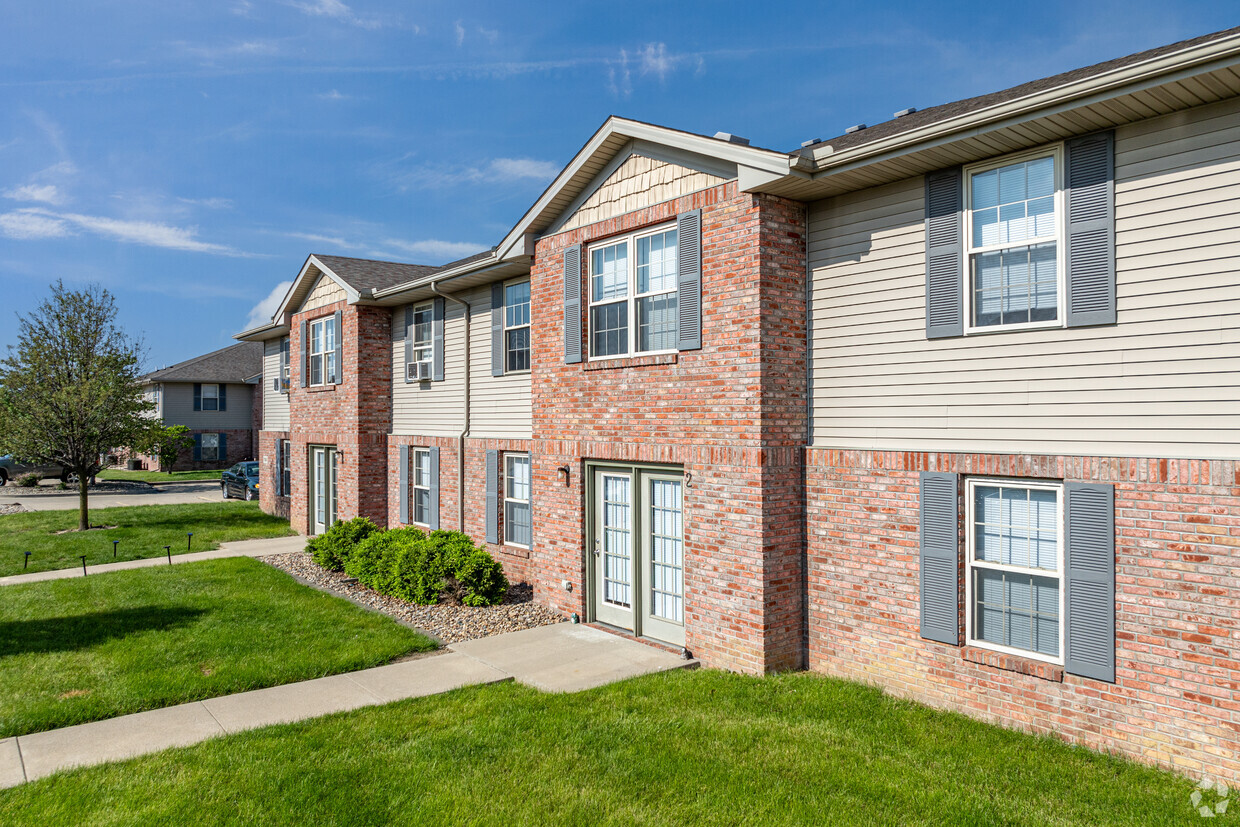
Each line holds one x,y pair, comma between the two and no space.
617,545
320,502
331,499
667,577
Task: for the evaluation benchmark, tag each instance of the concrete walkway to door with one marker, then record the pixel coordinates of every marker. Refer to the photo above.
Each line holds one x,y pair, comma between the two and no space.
560,658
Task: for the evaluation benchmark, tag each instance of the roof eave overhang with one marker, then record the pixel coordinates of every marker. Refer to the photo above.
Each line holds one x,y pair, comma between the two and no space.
263,332
488,269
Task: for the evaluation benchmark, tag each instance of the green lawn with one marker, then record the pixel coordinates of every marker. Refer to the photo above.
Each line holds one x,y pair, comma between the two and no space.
157,476
143,531
80,650
679,748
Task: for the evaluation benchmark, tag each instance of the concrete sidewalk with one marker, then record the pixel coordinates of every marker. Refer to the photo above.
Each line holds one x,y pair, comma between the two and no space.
241,548
559,658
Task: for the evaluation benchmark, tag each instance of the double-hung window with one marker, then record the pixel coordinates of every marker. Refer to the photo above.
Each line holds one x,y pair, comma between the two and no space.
633,295
210,397
323,369
422,486
284,364
517,326
286,471
1015,553
210,446
423,332
518,524
1014,239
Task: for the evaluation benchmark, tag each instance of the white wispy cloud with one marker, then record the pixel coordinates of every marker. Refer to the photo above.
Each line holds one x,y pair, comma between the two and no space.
26,225
333,95
335,10
619,78
434,248
460,33
239,48
497,170
262,312
316,238
209,203
36,222
41,193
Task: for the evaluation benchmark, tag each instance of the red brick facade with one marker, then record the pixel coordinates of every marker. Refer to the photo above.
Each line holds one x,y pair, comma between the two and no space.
1177,526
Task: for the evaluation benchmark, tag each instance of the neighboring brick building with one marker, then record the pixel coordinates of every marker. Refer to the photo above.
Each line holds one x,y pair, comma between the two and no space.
218,396
950,404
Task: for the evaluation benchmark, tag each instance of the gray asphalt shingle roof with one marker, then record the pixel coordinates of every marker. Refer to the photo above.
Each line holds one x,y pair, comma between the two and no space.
364,273
235,363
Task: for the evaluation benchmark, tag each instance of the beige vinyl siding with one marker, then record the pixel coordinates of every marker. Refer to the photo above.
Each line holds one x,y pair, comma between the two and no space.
500,405
1165,381
639,182
275,404
179,408
325,292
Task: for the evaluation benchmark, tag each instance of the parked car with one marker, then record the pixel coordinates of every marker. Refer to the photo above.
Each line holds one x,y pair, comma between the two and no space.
10,469
240,481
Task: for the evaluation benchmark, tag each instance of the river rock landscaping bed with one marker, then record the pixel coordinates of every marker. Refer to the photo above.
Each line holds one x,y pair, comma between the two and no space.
447,622
11,508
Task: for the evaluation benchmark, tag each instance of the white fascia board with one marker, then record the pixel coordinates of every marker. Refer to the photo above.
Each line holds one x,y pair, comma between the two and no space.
487,263
1125,80
262,333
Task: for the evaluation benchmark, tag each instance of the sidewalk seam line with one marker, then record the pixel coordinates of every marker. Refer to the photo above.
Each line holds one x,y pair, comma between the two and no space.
207,709
21,759
348,676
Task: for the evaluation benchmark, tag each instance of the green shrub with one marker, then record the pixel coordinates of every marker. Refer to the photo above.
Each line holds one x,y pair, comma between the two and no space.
372,561
28,481
418,573
481,579
332,548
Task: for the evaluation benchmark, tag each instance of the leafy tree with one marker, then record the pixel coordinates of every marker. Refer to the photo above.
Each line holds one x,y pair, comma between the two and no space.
165,442
69,390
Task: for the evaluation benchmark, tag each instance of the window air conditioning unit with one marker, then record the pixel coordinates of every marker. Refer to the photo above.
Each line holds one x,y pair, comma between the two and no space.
418,371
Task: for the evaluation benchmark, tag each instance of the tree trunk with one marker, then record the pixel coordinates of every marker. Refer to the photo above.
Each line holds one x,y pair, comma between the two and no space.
83,509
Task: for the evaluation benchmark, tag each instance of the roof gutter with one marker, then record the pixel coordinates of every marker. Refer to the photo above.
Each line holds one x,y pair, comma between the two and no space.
1166,68
460,440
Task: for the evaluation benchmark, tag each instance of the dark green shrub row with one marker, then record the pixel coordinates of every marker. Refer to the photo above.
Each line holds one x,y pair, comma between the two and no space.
411,564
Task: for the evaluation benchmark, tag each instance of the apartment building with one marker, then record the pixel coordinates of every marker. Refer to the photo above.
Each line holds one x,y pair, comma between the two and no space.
950,404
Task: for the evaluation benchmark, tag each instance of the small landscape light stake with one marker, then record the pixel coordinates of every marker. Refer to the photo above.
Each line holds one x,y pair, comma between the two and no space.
26,565
189,540
83,556
114,542
169,550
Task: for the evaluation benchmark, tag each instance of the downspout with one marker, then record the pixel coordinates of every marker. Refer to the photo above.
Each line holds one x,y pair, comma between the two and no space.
460,440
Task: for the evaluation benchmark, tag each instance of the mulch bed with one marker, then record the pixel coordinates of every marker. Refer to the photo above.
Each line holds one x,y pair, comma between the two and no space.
449,623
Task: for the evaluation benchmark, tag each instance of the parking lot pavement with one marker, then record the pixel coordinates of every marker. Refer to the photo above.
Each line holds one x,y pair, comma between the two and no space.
167,494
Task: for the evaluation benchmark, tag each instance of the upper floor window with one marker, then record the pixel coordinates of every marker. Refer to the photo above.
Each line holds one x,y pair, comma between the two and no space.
633,295
517,326
423,332
284,364
210,397
1014,242
323,368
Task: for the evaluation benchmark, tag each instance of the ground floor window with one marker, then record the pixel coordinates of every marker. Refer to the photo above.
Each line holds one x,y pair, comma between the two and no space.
518,522
210,447
422,486
286,472
1015,558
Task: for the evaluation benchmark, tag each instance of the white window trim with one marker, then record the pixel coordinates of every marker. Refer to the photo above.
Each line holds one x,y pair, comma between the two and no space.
429,346
202,448
286,364
506,499
312,354
970,563
528,325
417,454
631,296
202,397
1061,242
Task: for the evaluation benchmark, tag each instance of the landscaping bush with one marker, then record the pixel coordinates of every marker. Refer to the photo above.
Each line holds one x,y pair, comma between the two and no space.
371,562
28,481
481,579
332,548
418,573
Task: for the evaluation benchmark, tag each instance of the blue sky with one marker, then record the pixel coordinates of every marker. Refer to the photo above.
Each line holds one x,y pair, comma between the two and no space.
188,156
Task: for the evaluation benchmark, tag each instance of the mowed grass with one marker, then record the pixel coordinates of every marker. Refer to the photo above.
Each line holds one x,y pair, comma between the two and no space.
157,476
143,531
677,748
89,648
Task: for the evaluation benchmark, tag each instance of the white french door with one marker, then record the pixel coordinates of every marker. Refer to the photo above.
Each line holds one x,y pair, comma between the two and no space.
322,487
637,550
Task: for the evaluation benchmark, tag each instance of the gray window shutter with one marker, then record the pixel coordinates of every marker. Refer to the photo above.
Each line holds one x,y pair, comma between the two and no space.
1090,184
437,338
222,451
197,447
275,384
492,472
1089,548
197,396
944,254
339,349
404,485
572,305
497,330
305,359
433,518
408,342
398,325
223,392
940,558
279,468
689,279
